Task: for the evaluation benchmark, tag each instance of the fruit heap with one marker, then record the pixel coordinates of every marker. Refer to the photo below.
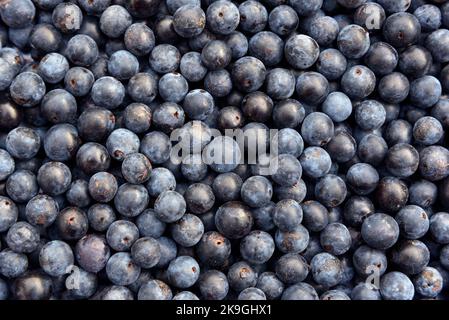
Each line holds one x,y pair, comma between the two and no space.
92,205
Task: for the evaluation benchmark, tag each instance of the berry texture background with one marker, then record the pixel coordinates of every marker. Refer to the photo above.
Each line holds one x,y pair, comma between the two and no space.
350,97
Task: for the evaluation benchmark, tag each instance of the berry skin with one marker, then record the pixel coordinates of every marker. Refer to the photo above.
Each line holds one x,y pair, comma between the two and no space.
353,41
391,194
121,269
241,276
401,29
331,63
312,88
136,168
300,291
433,163
161,179
82,50
358,82
326,269
257,247
198,104
56,258
324,30
238,43
396,286
137,117
41,210
364,291
289,170
366,11
382,58
22,143
331,190
436,43
335,238
256,191
380,231
114,21
18,14
213,285
425,91
191,66
234,220
27,89
122,142
366,260
12,264
146,252
188,230
295,241
413,222
173,87
59,106
183,272
287,215
394,88
270,285
185,295
283,20
280,83
315,162
402,160
342,147
9,215
315,215
253,16
305,8
67,17
252,294
427,131
291,268
428,283
95,124
22,237
123,65
71,223
301,51
213,249
317,129
222,17
21,186
170,206
139,39
410,256
248,74
259,44
54,178
189,21
108,92
103,187
142,87
53,67
218,83
92,158
130,199
164,58
289,141
100,216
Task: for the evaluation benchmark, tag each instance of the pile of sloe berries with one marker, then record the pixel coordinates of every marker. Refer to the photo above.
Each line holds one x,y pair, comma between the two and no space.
93,207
